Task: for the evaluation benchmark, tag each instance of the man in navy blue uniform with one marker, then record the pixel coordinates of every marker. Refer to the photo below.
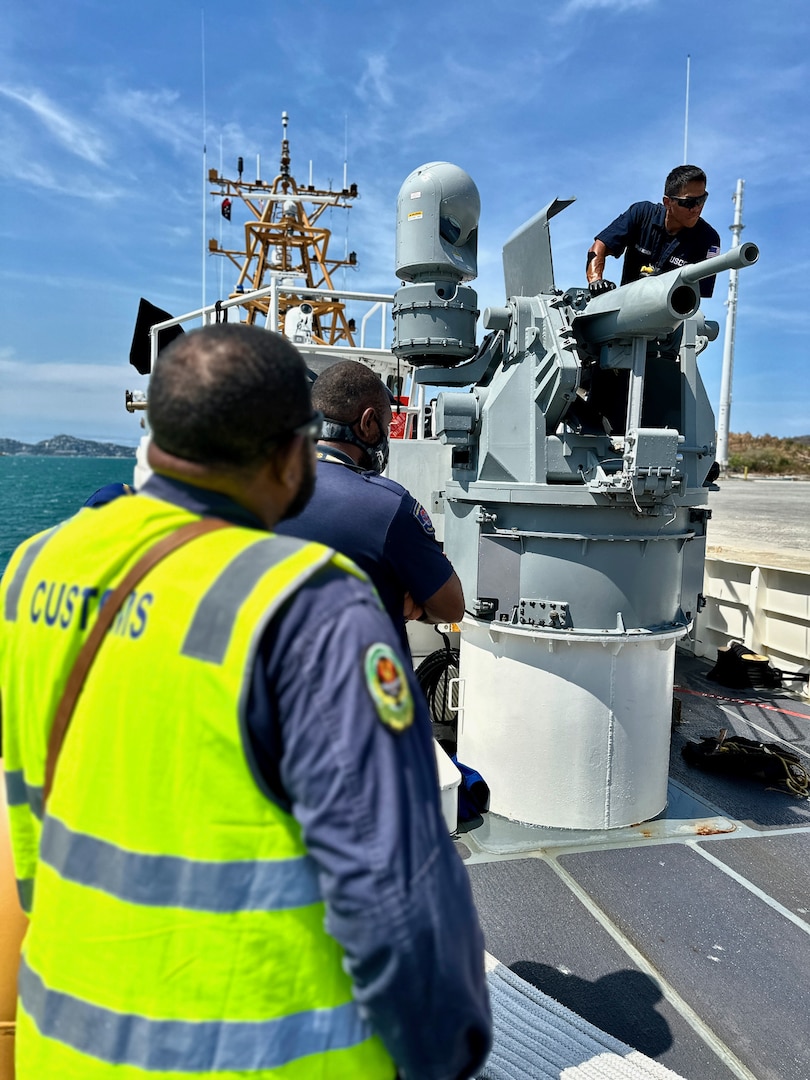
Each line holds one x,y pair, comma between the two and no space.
658,237
368,517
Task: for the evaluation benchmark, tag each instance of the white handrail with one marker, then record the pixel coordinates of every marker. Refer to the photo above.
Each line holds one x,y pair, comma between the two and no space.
274,290
379,305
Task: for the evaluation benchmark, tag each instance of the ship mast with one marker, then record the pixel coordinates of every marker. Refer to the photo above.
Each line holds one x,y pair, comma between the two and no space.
284,239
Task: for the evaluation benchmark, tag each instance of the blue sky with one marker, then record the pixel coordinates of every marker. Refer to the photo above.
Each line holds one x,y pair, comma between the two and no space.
103,118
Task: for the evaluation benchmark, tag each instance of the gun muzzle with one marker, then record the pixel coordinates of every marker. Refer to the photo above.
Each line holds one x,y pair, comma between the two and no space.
733,259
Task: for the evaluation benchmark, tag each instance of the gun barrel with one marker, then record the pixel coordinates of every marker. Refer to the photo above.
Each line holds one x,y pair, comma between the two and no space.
733,259
655,305
649,307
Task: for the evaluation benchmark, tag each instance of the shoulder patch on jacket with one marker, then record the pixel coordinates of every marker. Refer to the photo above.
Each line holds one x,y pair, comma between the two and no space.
388,686
423,517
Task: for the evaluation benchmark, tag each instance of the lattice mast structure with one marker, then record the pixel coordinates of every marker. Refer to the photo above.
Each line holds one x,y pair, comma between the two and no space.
284,237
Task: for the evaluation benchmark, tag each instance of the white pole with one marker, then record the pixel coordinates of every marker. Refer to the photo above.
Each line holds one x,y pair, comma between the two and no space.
221,261
728,343
686,114
345,188
345,151
204,163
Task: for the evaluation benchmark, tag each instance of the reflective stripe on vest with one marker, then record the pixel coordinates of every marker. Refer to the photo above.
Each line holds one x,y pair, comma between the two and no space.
183,1046
20,574
18,793
177,922
168,881
210,631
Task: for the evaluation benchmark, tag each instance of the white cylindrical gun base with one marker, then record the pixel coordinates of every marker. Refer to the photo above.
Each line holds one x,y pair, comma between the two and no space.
569,731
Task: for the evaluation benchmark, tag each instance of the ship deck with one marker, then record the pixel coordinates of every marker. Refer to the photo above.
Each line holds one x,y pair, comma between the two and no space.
686,937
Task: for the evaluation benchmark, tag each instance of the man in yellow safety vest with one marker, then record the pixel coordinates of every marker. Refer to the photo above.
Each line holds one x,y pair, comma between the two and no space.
234,861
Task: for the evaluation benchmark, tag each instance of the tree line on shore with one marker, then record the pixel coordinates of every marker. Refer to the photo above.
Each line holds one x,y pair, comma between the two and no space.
769,455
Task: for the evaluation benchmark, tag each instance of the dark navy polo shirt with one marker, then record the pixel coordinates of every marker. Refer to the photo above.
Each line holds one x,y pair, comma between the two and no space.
380,526
640,230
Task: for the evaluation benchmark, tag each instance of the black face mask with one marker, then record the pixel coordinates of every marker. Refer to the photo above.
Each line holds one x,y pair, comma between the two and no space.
377,452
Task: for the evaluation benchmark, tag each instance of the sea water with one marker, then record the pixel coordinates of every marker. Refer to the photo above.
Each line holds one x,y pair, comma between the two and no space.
38,492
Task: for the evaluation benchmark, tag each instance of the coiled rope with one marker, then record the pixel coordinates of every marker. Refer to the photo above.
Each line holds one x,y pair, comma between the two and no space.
434,675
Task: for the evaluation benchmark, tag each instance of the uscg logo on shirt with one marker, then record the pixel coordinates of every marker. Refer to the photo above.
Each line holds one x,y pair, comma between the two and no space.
388,686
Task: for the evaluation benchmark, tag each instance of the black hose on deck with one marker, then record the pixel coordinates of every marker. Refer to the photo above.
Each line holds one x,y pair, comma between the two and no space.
434,675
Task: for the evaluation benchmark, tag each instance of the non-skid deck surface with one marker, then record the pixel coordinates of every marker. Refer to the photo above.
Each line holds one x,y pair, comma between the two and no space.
693,949
738,961
537,927
765,715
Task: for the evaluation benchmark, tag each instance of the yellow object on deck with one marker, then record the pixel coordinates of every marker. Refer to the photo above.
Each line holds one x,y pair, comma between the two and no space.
12,928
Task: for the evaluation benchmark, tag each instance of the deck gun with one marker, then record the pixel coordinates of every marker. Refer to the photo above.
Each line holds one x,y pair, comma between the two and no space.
609,381
581,451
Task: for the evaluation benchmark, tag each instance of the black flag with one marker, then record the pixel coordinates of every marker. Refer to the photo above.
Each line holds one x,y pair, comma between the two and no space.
140,354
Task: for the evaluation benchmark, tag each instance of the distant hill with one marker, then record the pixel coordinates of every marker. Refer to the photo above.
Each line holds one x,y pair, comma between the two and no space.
763,454
66,446
768,455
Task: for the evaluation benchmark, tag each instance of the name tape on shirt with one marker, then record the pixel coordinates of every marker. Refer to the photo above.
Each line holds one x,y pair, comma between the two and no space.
388,686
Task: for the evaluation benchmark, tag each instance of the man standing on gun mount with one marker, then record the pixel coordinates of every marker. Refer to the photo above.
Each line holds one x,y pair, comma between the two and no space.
658,237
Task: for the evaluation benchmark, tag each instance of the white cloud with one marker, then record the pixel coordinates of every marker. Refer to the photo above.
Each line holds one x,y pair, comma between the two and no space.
161,115
375,82
21,169
619,7
39,400
73,134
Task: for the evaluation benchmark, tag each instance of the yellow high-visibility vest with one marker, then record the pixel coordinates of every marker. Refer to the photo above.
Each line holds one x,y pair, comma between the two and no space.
177,925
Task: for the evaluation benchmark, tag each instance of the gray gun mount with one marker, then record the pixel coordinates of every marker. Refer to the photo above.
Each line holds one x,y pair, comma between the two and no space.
590,374
586,429
575,511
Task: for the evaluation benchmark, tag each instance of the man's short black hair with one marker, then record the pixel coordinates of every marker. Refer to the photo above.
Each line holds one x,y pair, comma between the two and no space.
344,390
227,395
682,175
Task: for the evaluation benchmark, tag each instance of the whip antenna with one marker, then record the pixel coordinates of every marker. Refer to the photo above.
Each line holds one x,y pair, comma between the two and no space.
686,113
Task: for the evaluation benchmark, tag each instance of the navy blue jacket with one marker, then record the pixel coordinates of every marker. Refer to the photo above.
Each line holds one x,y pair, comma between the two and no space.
380,526
397,894
640,230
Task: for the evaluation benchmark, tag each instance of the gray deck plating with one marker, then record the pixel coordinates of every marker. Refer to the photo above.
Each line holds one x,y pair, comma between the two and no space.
694,950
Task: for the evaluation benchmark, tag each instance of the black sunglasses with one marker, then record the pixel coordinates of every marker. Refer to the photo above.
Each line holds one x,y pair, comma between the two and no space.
312,428
689,202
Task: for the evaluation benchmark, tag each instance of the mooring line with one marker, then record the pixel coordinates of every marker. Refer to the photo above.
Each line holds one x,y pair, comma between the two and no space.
741,701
